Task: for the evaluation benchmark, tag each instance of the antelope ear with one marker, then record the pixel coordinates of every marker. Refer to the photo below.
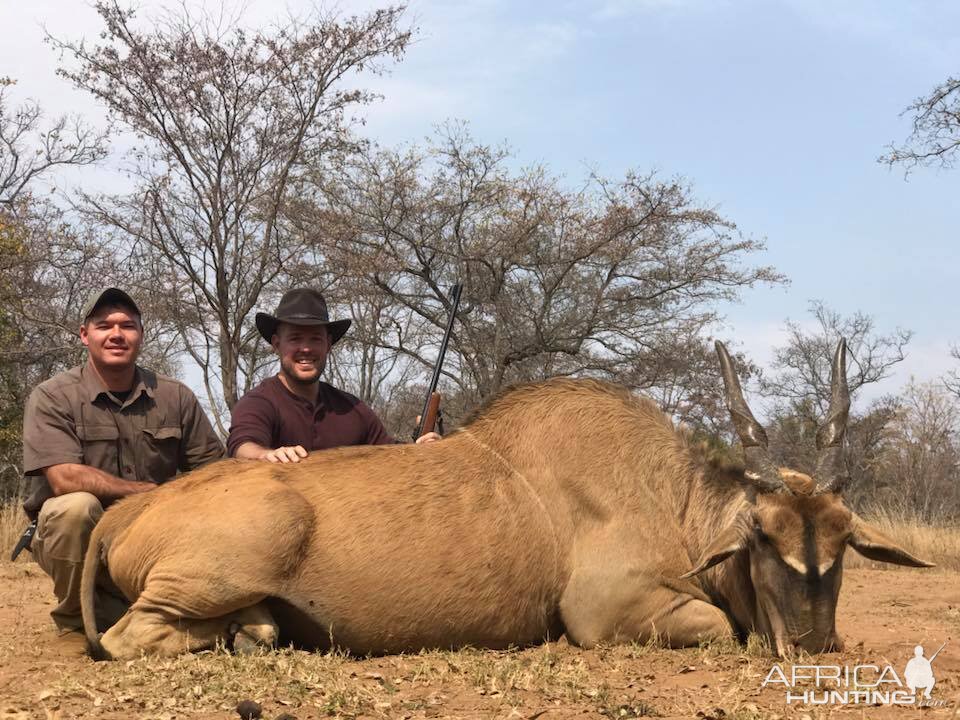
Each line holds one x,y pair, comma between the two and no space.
873,544
732,538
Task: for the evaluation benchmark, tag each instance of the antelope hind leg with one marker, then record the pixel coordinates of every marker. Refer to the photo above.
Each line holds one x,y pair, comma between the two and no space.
154,632
180,612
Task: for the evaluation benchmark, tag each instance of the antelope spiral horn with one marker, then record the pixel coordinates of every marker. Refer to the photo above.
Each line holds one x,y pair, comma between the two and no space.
759,468
831,473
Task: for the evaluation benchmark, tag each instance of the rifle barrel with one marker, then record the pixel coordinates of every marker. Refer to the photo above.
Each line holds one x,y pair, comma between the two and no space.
438,365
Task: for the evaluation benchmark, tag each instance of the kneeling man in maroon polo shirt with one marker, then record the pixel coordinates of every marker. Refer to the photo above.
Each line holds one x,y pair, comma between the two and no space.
294,412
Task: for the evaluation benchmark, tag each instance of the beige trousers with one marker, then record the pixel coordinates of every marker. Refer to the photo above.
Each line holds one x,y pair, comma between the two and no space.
63,533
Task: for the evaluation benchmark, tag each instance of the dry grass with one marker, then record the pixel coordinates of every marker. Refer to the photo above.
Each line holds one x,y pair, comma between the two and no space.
12,523
938,544
611,682
318,685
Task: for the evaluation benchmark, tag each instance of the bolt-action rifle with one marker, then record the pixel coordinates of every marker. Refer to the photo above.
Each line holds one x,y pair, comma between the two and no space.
25,540
431,417
934,656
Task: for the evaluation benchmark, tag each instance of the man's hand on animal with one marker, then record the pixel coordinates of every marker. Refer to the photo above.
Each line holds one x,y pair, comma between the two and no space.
427,437
294,410
285,454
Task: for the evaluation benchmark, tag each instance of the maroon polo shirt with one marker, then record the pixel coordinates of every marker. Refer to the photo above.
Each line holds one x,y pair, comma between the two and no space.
272,416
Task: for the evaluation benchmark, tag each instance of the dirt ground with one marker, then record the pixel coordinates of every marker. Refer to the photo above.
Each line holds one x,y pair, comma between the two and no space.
883,615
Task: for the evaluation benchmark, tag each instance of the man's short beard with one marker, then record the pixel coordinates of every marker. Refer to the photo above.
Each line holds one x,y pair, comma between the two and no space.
287,368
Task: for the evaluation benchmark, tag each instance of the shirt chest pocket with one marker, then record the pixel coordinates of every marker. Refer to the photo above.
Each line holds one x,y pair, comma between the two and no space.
162,456
160,434
100,445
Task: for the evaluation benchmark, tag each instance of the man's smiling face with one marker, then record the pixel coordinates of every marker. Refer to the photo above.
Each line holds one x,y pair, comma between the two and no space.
303,351
113,336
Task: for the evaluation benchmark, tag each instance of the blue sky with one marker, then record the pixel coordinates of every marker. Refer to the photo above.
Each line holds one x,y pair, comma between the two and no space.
774,111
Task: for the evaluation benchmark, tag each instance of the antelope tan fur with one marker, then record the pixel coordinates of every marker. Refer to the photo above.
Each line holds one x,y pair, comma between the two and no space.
568,506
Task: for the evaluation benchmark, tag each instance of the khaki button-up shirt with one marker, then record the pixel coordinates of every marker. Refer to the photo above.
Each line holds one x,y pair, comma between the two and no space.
158,430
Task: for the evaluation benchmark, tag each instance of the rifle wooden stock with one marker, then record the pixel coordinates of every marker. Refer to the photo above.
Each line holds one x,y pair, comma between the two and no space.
429,422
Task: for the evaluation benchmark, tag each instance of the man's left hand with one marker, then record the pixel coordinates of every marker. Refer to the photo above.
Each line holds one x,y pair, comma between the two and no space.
429,438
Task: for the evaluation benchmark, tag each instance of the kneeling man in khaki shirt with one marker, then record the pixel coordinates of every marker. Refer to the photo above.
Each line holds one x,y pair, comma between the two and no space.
96,433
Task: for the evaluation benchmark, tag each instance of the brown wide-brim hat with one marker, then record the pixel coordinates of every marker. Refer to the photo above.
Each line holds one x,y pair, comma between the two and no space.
301,306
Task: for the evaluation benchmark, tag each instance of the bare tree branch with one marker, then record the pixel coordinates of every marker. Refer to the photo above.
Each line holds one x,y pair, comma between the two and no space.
935,139
29,151
802,366
557,282
231,121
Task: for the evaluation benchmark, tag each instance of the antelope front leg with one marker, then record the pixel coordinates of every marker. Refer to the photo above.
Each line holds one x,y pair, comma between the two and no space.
616,595
594,611
253,628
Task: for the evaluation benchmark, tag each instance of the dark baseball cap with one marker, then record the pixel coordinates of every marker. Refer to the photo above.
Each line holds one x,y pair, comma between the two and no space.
110,296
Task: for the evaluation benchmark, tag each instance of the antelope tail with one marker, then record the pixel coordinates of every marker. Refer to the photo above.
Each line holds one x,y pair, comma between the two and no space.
88,593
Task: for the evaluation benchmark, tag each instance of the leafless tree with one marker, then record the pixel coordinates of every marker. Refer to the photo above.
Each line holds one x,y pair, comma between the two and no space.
48,267
229,122
800,389
41,261
801,376
935,139
921,462
361,362
867,440
792,430
952,379
30,150
685,380
598,280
